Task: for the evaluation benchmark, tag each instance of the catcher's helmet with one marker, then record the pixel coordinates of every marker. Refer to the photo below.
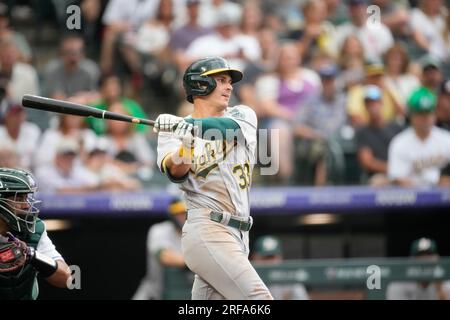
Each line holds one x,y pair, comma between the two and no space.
18,212
197,80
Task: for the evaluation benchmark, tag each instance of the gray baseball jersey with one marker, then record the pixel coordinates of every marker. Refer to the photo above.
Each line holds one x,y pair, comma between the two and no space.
220,175
163,235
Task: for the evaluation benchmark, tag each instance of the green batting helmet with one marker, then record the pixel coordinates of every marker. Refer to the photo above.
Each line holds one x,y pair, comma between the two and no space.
19,213
197,80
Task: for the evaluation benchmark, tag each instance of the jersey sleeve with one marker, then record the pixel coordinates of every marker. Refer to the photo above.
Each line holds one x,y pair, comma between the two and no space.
398,164
248,122
167,144
46,247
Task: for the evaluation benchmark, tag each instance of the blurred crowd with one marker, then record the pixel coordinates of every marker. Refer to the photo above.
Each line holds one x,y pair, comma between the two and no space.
338,79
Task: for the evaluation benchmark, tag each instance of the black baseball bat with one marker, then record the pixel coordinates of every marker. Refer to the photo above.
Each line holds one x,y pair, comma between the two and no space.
65,107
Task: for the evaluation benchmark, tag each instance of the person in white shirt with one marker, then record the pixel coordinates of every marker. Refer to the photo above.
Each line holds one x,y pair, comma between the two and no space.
227,42
428,23
22,135
417,154
376,38
65,175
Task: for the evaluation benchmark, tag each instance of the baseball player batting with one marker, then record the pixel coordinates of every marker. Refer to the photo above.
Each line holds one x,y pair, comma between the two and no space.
215,174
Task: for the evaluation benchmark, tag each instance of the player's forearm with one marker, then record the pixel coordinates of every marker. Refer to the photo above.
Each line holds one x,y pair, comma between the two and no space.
61,276
223,125
169,258
177,164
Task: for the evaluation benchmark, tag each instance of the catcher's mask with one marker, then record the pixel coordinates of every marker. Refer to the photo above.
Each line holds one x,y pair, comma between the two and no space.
197,80
177,207
18,205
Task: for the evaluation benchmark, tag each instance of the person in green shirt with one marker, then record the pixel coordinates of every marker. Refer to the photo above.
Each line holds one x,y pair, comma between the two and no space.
111,92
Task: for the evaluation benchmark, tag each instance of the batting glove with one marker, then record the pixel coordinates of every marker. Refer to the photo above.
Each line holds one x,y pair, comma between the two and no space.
186,132
166,122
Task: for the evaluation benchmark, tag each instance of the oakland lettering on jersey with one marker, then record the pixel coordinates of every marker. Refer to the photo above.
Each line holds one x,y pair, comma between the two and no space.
430,162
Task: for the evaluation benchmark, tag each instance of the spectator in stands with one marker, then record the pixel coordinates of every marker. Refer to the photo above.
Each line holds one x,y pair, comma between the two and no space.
337,12
7,34
163,250
443,106
91,15
152,38
351,62
182,37
68,127
431,73
211,11
392,109
428,23
424,249
395,15
398,79
227,42
129,148
245,89
373,139
317,122
268,250
8,155
111,92
252,19
72,73
281,95
65,175
417,154
317,34
110,176
122,19
21,134
376,39
22,77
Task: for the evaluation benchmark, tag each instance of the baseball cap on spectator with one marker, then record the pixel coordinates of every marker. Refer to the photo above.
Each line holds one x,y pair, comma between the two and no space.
67,147
422,100
374,69
429,62
227,16
445,87
100,147
423,246
328,71
268,246
372,93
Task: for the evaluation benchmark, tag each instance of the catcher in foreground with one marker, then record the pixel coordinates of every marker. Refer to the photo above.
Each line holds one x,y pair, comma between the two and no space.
25,248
